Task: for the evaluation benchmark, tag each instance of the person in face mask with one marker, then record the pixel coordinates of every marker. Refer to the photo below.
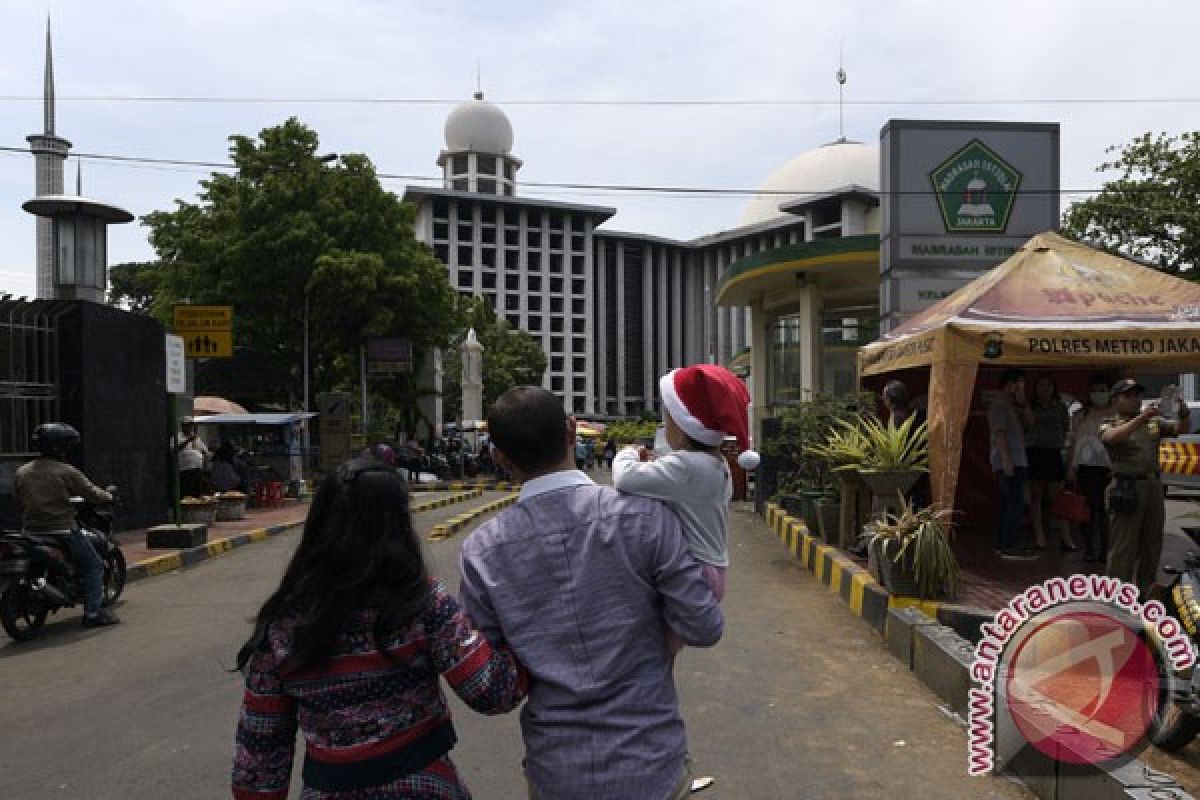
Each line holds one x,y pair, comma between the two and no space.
1088,466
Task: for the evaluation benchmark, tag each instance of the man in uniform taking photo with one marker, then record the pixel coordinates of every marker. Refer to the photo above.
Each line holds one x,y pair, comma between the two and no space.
1136,505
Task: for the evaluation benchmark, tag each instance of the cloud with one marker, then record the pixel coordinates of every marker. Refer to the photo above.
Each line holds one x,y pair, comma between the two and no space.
571,49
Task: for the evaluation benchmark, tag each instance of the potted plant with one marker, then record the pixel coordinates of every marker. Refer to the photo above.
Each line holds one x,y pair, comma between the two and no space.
231,505
845,448
828,509
198,510
911,554
895,455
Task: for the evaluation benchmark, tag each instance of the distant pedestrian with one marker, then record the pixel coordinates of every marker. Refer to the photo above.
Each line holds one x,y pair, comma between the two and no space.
610,451
1044,445
1137,510
580,453
1088,465
1007,422
350,647
193,456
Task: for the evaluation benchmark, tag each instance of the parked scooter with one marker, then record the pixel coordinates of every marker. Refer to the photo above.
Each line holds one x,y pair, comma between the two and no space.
1177,719
37,576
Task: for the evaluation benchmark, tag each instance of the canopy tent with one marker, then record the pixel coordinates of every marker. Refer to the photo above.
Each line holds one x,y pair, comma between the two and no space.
592,430
255,419
1054,303
205,405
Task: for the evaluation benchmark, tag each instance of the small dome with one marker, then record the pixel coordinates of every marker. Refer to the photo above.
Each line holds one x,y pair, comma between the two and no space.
825,169
479,126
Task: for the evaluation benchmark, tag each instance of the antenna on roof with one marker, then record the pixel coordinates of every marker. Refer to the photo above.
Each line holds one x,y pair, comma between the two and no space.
841,79
478,81
79,177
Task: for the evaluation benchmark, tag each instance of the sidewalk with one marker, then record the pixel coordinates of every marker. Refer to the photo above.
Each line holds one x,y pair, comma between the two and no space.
133,543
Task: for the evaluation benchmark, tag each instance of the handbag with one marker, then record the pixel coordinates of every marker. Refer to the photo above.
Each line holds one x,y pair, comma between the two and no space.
1071,506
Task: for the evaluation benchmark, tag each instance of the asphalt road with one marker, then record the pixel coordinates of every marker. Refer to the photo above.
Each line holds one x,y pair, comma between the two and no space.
798,701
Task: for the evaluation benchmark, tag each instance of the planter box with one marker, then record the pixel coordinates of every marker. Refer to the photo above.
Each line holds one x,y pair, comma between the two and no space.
231,509
896,576
890,483
828,514
199,514
176,537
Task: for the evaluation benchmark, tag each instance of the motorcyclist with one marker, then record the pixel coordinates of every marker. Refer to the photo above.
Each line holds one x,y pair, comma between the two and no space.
44,488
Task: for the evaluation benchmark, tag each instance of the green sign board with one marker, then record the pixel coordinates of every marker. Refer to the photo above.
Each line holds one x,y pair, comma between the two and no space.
975,190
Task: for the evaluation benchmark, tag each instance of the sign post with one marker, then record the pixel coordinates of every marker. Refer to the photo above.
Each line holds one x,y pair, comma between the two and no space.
176,385
207,331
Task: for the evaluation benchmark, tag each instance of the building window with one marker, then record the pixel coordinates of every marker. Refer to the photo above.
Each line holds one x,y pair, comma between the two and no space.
578,265
509,172
578,325
489,280
533,303
441,210
487,255
535,283
556,262
487,185
486,164
512,237
533,238
556,285
490,297
556,222
579,405
578,242
579,364
466,278
458,164
514,320
556,384
465,256
556,344
556,305
577,286
556,364
556,324
466,232
533,324
487,234
442,252
512,283
534,260
459,185
441,231
579,344
578,306
512,302
556,241
579,384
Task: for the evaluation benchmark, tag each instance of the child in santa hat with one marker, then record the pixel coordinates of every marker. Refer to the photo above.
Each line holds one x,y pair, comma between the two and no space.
702,404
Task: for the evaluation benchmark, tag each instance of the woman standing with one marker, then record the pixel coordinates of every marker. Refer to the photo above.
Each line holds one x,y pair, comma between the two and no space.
1044,447
1088,465
349,648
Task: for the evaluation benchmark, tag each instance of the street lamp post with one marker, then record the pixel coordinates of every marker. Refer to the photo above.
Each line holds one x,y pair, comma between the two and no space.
325,159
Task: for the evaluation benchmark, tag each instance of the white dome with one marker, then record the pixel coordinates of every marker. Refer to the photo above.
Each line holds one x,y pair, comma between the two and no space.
479,126
825,169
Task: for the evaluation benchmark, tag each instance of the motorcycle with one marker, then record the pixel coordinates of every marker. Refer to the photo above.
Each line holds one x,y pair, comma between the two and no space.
37,576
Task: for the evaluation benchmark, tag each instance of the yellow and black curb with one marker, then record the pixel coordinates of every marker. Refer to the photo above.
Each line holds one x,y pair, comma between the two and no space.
442,502
194,555
455,486
456,524
935,641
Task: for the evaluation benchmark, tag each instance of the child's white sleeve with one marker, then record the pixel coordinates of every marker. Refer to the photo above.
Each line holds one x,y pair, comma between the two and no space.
663,479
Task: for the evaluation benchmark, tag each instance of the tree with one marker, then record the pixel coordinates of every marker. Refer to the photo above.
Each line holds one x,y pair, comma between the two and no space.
134,285
288,226
511,357
1149,212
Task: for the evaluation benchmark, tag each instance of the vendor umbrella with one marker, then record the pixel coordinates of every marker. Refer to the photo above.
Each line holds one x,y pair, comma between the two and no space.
216,405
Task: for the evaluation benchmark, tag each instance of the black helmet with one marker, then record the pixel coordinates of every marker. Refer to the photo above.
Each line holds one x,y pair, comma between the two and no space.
55,439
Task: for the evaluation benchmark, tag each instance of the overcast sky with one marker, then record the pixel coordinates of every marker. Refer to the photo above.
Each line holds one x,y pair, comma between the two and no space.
669,49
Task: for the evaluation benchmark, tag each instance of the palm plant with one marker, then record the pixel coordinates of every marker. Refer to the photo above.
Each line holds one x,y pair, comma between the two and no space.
892,447
923,539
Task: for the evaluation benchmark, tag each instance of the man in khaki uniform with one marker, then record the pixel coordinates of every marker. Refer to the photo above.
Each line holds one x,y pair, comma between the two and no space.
1131,439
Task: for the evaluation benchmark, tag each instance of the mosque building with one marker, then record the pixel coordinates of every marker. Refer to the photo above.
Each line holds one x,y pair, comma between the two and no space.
615,309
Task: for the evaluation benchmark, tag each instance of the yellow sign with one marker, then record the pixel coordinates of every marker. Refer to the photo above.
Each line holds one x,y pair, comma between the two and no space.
203,318
208,344
1179,458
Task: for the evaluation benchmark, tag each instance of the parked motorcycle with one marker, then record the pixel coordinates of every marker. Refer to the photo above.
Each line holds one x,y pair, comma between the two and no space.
37,576
1177,719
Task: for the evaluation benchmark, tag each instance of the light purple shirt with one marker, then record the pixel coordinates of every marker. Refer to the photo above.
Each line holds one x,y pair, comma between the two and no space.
579,579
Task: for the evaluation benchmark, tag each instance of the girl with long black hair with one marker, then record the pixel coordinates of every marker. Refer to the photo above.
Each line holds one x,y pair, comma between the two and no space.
349,649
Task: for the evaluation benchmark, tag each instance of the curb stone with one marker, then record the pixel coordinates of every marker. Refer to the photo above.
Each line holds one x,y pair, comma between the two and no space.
941,650
456,524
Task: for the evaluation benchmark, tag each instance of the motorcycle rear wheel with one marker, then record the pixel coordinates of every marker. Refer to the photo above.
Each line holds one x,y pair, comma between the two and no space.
114,576
1172,728
22,613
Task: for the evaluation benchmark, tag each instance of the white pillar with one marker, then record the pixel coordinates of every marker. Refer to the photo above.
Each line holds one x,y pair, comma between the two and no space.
760,381
621,344
810,340
647,398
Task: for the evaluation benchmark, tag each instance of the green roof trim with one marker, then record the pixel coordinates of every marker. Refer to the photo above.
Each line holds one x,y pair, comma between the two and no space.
807,251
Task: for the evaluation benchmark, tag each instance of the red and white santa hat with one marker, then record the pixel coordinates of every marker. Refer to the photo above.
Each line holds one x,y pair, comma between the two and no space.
708,403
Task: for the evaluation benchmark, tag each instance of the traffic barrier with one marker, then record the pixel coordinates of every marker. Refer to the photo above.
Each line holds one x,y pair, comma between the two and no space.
195,555
442,502
456,524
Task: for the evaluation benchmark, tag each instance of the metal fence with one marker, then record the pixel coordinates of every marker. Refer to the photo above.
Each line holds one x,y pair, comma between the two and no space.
29,368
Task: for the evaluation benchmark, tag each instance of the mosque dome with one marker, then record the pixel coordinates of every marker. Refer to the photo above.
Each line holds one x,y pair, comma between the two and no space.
479,126
829,167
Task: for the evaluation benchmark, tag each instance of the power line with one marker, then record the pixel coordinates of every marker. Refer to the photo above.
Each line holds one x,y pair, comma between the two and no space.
612,188
601,102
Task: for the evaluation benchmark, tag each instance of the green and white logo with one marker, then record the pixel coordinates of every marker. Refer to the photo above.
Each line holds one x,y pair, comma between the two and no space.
975,190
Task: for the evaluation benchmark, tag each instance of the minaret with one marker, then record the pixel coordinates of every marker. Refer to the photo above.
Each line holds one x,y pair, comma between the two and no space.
49,153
